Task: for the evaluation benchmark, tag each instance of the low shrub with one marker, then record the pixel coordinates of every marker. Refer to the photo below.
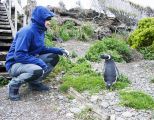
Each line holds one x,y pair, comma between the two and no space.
148,52
142,38
118,49
3,81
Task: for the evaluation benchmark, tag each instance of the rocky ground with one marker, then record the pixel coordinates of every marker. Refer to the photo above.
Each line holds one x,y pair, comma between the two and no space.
54,105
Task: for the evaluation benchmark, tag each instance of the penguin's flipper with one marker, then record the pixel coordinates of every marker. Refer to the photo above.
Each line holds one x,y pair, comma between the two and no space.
117,71
103,68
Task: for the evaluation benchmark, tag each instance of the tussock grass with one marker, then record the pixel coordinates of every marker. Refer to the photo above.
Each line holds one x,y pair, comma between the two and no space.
137,100
81,78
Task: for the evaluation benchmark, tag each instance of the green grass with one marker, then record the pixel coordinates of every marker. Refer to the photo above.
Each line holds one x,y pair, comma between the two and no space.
82,83
81,78
137,100
118,49
74,54
122,82
147,52
63,65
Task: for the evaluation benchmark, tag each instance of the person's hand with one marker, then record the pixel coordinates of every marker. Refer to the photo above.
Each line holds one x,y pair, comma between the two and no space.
65,52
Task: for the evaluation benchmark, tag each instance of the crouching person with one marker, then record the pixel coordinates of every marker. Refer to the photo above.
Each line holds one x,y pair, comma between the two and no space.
29,60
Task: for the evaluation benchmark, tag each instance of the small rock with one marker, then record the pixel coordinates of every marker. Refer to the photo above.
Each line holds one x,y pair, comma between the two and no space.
60,97
118,109
74,101
104,104
94,99
119,118
113,103
69,115
127,114
112,117
75,110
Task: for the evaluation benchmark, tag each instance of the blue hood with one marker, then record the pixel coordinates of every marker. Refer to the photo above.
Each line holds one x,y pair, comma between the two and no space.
39,16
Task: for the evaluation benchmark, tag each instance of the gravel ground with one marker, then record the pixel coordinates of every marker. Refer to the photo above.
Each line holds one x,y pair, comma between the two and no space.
54,105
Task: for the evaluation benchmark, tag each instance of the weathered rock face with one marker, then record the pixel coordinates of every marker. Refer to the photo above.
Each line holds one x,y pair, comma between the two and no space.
101,32
106,24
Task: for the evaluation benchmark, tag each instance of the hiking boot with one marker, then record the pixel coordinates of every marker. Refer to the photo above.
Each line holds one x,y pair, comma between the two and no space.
38,87
13,91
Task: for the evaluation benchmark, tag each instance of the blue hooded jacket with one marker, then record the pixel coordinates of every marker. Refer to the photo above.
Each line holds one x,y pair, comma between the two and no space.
29,41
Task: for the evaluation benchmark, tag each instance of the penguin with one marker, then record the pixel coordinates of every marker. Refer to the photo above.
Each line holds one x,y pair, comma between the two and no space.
110,71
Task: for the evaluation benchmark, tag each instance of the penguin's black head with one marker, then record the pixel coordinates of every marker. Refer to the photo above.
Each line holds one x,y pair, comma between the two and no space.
106,57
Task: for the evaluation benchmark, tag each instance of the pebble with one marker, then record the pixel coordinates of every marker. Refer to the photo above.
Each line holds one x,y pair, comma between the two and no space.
127,114
94,99
104,105
69,115
75,110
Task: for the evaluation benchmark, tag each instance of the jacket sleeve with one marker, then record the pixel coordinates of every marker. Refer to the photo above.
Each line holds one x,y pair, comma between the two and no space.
23,41
54,50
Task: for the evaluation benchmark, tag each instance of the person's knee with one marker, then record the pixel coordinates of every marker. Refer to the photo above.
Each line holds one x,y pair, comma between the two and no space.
37,73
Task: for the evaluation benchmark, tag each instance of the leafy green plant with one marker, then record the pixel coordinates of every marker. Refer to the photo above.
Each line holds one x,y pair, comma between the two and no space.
85,32
121,83
68,30
63,65
3,81
148,52
137,100
142,38
118,49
